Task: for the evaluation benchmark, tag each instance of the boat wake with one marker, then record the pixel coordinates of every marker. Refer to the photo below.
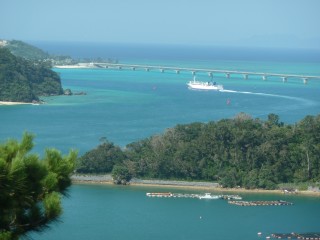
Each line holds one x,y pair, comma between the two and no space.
304,101
254,93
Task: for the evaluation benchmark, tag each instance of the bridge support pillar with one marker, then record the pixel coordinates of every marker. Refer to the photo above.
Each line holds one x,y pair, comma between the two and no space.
264,77
161,70
147,69
227,75
133,68
245,76
284,79
210,74
177,71
193,73
305,80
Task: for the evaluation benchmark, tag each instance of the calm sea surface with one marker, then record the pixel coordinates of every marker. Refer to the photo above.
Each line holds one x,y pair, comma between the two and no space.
126,106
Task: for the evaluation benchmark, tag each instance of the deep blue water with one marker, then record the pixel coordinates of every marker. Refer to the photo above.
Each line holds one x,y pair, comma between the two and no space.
126,106
125,52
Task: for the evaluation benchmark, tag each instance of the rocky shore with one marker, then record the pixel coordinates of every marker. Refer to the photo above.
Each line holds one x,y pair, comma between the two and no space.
89,178
107,179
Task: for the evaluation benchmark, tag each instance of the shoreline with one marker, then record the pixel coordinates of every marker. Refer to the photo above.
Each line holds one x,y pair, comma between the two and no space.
6,103
76,66
107,180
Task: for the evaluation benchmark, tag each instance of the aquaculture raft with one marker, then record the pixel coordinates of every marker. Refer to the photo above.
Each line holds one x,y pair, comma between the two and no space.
260,203
200,196
303,236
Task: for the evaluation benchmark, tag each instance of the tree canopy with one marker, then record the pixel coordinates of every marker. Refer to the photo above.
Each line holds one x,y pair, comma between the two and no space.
30,188
25,50
24,81
242,151
101,159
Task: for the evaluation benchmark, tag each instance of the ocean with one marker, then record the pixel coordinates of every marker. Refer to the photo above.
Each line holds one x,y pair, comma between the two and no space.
126,106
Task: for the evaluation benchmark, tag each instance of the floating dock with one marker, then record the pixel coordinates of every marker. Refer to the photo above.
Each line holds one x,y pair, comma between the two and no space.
260,203
187,195
303,236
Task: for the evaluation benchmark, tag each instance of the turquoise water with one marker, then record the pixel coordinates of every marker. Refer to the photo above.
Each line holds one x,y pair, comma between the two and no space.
109,212
126,106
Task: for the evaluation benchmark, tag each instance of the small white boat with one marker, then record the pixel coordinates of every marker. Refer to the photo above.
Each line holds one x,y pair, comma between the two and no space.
236,197
204,85
208,196
162,194
232,197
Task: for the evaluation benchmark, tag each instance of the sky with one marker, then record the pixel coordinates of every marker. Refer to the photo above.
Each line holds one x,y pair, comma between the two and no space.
250,23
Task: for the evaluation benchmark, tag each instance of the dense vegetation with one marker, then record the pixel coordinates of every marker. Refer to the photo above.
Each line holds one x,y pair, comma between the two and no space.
244,152
30,188
30,52
101,160
27,51
24,81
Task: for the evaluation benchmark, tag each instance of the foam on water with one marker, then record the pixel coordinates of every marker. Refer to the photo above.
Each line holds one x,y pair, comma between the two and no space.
304,101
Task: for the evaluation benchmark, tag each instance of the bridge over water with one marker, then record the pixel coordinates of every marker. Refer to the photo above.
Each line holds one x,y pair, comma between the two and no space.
210,72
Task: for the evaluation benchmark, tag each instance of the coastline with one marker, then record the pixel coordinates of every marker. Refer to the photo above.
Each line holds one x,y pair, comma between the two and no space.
12,103
76,66
107,180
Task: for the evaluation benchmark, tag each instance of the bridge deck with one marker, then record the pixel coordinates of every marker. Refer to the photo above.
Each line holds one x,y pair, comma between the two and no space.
207,70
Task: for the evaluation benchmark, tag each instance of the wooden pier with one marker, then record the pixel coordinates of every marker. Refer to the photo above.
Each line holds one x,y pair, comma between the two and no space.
260,203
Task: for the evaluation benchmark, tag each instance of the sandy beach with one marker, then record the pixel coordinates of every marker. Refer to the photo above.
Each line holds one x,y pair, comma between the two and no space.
209,186
12,103
76,66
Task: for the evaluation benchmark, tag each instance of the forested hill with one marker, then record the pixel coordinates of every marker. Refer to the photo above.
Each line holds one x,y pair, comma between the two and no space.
24,81
25,50
242,151
32,53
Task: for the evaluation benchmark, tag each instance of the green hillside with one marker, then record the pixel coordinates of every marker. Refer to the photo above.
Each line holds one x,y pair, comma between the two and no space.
25,50
243,151
24,81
